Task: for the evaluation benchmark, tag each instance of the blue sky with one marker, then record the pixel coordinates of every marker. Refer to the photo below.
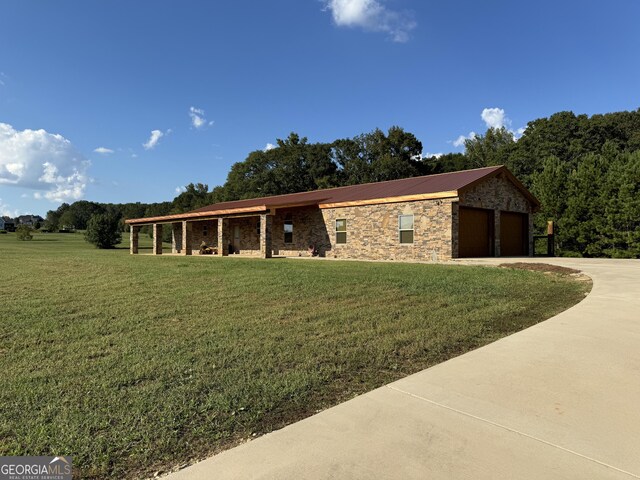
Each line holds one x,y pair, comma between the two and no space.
217,80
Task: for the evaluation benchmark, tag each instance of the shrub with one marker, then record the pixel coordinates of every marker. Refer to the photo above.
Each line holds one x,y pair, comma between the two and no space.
24,232
2,232
103,231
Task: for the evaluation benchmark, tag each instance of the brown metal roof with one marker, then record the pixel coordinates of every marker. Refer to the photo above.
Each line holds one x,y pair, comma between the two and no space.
429,186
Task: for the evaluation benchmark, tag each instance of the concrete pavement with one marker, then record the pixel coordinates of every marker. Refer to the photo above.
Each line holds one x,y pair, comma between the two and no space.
560,400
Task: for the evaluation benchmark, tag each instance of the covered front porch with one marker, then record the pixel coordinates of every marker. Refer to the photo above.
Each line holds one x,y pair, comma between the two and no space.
244,234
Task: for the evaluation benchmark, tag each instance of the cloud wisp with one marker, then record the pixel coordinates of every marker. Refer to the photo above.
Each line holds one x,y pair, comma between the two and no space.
198,120
269,146
495,118
459,142
42,161
372,15
154,138
103,150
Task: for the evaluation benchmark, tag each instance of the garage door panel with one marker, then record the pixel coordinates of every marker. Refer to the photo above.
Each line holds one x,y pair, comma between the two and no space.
475,232
514,234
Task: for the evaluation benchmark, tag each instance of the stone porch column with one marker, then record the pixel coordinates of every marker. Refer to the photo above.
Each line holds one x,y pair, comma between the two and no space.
223,237
134,231
157,239
455,229
496,233
187,237
176,237
266,221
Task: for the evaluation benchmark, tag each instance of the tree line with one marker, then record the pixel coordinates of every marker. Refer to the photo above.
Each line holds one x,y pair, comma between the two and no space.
584,169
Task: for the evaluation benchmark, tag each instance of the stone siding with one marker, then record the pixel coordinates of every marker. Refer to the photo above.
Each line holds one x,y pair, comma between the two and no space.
372,231
496,193
198,235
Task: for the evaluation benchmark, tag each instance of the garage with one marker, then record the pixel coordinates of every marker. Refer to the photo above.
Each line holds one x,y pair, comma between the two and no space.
476,232
514,234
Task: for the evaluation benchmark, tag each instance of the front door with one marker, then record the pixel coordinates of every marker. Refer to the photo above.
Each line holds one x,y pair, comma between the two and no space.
236,238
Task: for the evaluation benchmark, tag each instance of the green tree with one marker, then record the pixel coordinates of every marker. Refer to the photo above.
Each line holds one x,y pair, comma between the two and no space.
194,196
580,227
103,231
24,232
549,185
490,149
376,156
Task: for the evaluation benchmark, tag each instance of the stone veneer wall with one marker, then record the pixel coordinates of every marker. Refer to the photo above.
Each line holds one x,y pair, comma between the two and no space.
197,236
249,238
499,194
372,231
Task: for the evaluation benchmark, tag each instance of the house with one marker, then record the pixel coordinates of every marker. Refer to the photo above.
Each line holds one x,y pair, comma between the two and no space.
30,220
7,223
472,213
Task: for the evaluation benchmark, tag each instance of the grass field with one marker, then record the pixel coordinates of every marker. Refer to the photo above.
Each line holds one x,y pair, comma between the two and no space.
137,364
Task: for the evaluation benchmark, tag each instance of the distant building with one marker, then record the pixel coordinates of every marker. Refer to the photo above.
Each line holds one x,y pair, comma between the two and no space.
7,223
30,220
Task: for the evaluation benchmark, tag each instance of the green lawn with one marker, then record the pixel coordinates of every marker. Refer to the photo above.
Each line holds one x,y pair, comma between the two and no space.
134,364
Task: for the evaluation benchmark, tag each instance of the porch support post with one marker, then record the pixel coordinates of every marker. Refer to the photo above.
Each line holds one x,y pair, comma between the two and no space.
176,237
266,221
223,236
496,233
134,231
187,237
157,239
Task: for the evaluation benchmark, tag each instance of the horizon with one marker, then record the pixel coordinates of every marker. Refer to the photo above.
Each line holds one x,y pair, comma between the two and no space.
130,103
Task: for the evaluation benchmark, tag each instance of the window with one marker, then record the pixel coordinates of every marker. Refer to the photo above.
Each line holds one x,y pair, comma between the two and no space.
288,229
205,230
258,227
405,228
341,230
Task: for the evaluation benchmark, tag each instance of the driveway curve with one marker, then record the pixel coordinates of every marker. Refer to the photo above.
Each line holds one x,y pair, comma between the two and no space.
559,400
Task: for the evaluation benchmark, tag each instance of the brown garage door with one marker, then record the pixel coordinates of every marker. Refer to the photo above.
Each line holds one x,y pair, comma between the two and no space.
514,234
475,234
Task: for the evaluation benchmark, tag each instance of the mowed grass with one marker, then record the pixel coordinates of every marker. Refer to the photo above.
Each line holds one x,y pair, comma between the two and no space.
138,364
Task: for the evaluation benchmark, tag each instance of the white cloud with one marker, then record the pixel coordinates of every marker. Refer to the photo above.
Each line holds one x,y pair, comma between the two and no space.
179,190
429,155
6,212
495,118
155,137
459,142
371,15
269,146
42,161
103,150
198,120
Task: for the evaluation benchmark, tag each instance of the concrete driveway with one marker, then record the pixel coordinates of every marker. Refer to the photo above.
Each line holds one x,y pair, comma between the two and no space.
560,400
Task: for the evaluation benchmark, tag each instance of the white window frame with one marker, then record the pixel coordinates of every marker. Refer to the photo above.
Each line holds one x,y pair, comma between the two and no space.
412,230
288,218
346,236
